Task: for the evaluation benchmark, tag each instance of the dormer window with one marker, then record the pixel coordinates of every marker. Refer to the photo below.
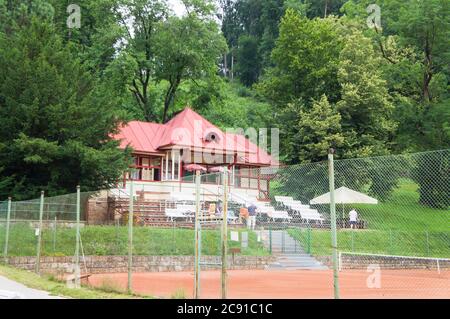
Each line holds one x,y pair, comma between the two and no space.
212,137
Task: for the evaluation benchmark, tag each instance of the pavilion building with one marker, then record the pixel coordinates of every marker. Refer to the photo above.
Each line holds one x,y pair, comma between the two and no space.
163,153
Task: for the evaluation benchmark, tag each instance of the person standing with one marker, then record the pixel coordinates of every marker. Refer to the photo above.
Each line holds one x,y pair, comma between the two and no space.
251,216
219,210
353,216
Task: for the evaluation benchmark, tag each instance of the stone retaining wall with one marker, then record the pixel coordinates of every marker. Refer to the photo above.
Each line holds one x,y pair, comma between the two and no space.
363,261
48,224
119,264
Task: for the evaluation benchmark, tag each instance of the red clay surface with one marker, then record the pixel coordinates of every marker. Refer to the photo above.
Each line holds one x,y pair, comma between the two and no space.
298,284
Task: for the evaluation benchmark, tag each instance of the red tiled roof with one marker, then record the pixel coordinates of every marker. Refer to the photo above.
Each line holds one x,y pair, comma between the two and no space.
188,129
141,136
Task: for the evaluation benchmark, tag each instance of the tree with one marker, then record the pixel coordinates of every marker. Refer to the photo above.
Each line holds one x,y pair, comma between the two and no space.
164,50
365,103
318,130
99,32
193,58
17,13
432,175
56,120
323,8
142,20
413,43
272,12
249,65
305,61
231,30
425,25
256,20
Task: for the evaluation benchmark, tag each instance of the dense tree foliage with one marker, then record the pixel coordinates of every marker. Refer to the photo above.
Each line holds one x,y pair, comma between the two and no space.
56,117
251,29
318,129
305,60
312,68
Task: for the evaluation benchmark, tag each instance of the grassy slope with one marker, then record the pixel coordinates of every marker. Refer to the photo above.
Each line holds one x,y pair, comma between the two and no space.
56,288
398,227
402,212
111,240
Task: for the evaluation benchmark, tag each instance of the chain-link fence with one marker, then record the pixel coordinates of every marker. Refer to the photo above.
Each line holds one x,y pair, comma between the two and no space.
154,238
392,216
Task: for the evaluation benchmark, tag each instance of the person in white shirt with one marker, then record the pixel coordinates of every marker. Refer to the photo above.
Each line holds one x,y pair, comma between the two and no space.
353,216
252,216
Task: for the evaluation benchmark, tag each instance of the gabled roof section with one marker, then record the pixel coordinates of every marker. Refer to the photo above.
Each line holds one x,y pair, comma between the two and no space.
188,128
254,155
141,136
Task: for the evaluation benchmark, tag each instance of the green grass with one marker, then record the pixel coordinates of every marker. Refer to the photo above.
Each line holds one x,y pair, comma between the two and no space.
113,240
402,212
56,288
399,226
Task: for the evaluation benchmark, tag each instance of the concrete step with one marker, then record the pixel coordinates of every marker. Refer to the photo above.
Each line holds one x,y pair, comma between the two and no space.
313,265
295,259
291,253
305,268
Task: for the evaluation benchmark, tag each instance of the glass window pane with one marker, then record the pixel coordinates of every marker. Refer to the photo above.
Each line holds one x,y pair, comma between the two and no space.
253,183
156,162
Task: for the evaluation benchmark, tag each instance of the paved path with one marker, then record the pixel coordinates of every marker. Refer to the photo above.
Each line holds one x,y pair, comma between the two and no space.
11,289
290,254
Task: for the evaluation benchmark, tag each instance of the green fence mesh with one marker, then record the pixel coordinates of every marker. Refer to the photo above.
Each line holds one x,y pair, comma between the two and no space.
401,224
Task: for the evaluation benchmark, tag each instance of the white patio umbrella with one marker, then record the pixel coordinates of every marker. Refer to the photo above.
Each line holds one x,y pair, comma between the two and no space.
344,196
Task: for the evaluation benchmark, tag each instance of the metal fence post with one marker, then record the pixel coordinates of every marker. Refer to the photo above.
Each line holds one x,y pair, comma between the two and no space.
54,234
197,237
428,243
130,238
333,223
353,240
270,239
391,244
38,248
309,239
174,242
77,243
295,240
8,220
224,233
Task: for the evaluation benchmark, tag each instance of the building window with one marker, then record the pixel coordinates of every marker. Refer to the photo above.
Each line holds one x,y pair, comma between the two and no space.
245,177
171,165
146,169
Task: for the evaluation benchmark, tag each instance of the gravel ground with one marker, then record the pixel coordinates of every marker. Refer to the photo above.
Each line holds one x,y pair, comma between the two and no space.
11,289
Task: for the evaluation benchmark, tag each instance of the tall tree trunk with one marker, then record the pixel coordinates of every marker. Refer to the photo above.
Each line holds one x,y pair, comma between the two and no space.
225,65
170,95
426,86
428,73
232,66
326,9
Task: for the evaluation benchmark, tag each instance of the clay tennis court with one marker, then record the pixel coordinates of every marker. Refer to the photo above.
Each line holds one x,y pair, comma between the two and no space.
298,284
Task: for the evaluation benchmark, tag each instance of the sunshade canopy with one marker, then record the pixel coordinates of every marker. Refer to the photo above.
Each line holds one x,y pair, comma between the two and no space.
195,167
345,195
